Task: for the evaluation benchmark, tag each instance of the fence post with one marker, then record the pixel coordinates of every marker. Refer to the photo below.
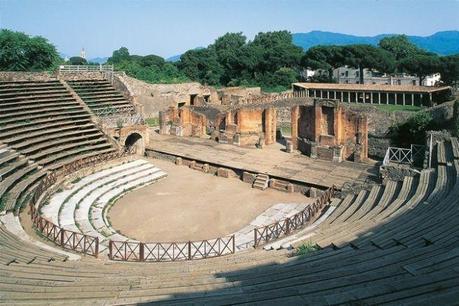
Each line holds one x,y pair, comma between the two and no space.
255,238
234,244
287,226
189,250
62,237
96,252
110,250
141,251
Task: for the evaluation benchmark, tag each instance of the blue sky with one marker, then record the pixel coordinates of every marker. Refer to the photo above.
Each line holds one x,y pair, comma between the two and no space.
170,27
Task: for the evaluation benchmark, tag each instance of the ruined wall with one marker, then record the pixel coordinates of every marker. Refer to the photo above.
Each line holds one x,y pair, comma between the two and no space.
329,131
236,95
182,122
158,97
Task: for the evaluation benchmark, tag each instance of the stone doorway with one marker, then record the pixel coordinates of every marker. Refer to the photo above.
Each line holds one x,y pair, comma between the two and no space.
134,143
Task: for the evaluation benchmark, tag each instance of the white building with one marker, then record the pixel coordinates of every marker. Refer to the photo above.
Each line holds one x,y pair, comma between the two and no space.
347,75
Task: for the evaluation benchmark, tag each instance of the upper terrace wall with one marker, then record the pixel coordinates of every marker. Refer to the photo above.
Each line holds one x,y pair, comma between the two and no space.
81,75
26,76
45,76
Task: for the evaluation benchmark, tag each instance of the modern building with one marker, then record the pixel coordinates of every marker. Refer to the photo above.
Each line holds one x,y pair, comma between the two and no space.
348,75
376,94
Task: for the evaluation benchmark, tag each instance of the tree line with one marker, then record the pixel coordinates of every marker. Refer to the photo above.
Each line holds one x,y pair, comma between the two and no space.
270,60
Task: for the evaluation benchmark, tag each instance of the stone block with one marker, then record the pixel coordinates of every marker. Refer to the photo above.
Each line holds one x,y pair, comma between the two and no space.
290,188
192,164
223,172
289,147
178,161
205,168
313,192
248,177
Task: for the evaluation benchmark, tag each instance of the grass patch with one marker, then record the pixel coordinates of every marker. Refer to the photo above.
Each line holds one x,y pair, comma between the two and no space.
286,130
76,180
398,108
274,89
152,122
306,249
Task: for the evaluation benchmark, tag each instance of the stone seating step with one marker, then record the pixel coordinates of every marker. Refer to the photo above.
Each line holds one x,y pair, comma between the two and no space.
43,101
19,128
455,147
66,214
51,210
261,182
28,118
41,143
51,132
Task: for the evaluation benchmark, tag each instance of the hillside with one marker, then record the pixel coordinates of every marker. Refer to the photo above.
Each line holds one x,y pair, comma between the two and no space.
443,43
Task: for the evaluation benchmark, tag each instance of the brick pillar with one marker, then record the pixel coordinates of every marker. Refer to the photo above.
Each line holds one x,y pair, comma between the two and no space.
295,114
270,125
317,119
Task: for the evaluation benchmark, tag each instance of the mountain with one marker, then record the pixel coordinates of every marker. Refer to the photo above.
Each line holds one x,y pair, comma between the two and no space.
174,58
443,43
98,60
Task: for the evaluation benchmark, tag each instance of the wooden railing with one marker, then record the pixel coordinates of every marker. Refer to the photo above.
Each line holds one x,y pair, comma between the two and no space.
170,251
64,238
286,226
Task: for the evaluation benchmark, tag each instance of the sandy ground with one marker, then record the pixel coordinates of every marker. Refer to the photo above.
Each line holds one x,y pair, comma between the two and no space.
191,205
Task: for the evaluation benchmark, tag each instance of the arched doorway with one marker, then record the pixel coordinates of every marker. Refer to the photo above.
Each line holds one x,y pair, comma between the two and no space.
134,143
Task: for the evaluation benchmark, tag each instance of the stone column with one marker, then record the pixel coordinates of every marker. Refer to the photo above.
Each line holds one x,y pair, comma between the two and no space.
295,114
387,98
404,98
379,97
412,99
371,97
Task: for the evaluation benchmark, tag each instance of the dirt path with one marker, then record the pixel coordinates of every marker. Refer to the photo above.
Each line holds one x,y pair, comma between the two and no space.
190,205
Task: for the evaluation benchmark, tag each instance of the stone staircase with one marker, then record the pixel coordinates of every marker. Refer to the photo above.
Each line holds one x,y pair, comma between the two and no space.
261,182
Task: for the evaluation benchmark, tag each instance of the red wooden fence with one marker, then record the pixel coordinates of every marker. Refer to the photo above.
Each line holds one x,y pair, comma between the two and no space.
170,251
284,227
66,239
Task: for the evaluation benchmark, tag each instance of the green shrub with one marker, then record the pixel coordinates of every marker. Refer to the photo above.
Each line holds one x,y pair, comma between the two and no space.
306,248
413,131
152,122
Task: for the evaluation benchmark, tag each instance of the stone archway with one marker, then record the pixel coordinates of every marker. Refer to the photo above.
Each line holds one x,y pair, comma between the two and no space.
135,143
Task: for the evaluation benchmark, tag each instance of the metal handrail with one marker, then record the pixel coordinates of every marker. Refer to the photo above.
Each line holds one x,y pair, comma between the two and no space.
85,68
403,155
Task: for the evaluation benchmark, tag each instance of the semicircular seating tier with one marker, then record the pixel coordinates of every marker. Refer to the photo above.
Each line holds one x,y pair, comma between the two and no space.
43,127
393,244
82,207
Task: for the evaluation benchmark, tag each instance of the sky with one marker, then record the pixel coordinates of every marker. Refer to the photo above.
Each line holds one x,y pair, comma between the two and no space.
170,27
